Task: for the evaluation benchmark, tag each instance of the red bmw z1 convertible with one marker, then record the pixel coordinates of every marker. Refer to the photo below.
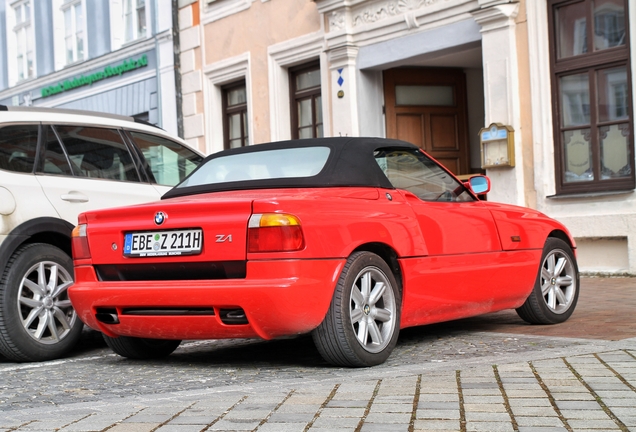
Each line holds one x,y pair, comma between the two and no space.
350,239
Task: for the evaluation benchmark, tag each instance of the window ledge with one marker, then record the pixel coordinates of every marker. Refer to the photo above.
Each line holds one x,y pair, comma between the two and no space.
590,195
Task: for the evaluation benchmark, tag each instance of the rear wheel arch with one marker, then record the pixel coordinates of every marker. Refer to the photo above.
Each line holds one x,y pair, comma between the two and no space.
389,255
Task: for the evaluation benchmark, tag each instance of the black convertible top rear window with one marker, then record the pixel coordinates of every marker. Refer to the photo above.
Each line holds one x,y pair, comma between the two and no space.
319,162
262,165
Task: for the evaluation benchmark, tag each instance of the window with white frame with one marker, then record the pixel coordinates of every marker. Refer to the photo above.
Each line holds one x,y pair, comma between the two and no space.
593,125
134,12
73,30
24,41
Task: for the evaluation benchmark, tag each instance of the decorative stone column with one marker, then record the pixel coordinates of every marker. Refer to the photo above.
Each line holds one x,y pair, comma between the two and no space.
341,56
501,90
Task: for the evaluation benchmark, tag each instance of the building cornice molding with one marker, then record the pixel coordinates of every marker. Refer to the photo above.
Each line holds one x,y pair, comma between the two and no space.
496,17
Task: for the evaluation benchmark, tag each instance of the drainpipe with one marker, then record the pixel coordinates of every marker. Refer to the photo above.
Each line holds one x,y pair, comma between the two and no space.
155,30
177,65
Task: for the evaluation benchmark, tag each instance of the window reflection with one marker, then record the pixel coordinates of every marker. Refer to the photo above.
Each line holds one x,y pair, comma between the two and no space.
609,24
575,100
572,29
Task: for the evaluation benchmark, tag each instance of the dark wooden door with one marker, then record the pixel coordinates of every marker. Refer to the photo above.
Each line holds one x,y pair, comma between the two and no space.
427,107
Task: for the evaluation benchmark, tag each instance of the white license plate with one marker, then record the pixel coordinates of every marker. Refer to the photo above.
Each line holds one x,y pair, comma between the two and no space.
163,243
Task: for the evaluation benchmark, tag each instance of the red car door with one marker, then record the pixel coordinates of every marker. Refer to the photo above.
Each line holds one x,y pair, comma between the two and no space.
464,272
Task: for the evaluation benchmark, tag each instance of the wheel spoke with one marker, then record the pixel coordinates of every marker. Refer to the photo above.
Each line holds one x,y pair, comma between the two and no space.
550,260
383,315
357,296
560,265
545,288
356,315
33,287
42,276
374,331
545,274
560,296
61,317
61,288
32,316
564,280
363,332
365,282
50,286
51,325
42,323
377,293
32,303
63,304
552,299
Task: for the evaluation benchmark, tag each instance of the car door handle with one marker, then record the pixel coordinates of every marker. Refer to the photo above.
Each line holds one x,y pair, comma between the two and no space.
74,197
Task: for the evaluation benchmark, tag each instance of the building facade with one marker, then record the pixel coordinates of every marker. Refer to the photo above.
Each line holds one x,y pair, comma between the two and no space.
554,78
113,56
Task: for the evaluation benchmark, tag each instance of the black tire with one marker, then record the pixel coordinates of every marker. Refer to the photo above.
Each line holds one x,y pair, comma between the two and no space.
140,348
343,338
37,320
556,290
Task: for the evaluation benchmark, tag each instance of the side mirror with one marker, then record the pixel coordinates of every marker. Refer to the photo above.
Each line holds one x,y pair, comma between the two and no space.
479,184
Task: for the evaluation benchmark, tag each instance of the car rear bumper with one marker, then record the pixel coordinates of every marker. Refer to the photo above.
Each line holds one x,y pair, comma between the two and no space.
278,297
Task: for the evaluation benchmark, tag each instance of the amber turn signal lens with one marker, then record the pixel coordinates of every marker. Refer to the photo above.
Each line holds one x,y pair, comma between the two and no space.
79,242
274,232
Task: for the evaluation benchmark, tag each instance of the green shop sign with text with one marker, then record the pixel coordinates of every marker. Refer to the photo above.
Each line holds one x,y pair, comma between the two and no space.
86,80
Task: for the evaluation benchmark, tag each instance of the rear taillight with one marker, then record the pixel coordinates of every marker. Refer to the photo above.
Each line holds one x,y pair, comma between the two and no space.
80,243
274,232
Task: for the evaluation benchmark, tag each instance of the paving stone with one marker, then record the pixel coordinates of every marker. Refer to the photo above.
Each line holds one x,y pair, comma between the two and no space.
384,427
472,416
148,418
335,422
541,429
577,405
192,420
283,427
279,417
489,427
442,414
343,412
423,405
592,424
530,402
494,407
539,421
391,408
388,418
180,428
436,425
134,427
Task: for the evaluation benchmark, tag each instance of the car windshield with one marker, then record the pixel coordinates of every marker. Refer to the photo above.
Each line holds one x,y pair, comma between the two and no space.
260,165
411,170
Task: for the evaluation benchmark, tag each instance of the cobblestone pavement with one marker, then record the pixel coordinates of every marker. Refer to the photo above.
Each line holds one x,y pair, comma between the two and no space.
440,377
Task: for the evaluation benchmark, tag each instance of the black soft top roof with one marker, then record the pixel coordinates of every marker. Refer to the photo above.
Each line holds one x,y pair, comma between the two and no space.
350,163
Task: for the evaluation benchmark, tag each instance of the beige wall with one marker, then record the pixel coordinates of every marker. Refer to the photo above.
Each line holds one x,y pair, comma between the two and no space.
525,108
254,30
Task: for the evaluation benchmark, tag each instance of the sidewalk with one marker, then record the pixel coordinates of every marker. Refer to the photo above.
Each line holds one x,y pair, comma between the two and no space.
581,377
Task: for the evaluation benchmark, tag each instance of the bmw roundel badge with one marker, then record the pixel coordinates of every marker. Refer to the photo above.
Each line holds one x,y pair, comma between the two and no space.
160,217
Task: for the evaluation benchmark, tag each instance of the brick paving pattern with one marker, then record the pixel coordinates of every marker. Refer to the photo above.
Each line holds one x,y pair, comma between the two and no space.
588,386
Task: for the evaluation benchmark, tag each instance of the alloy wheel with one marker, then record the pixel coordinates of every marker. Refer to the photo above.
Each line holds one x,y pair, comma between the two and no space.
45,308
372,309
558,281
